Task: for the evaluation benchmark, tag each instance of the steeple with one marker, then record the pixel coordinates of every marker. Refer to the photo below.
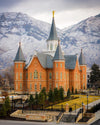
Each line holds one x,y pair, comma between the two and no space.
53,33
19,55
58,54
82,59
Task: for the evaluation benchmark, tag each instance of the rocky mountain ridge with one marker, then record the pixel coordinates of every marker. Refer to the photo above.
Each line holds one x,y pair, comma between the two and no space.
16,27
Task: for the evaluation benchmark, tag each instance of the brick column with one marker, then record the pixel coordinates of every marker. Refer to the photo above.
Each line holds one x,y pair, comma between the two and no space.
67,107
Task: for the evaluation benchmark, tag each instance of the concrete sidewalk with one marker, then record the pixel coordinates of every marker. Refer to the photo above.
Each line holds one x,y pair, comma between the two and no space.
89,105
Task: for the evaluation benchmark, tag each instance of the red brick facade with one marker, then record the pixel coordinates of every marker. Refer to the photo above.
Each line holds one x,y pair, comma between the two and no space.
35,77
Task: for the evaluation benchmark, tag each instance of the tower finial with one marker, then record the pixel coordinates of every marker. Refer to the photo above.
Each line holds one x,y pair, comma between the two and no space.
81,50
53,12
59,41
19,43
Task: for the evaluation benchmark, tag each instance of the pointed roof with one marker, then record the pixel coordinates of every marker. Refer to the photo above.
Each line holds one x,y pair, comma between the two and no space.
82,59
58,54
19,55
53,33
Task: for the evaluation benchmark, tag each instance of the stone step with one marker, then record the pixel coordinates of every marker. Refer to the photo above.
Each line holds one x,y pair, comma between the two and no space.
68,118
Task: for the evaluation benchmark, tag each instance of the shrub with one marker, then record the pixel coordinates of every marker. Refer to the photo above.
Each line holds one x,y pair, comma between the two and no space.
75,91
3,111
72,90
7,105
61,93
68,93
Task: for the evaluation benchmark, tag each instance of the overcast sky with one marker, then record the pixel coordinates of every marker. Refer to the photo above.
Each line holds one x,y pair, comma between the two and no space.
67,12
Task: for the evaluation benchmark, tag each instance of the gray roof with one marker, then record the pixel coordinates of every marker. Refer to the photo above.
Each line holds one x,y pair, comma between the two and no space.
82,59
58,54
19,55
53,33
47,61
70,61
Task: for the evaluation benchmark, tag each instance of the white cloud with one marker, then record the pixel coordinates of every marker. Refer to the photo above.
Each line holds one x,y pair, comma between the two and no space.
68,12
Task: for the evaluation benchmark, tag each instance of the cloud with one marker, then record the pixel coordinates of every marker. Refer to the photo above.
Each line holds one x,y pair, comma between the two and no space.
47,5
70,11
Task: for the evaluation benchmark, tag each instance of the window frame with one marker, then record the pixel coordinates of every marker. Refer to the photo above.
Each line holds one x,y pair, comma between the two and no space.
35,74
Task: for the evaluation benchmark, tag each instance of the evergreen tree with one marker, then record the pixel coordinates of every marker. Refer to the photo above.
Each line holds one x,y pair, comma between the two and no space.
68,93
94,74
56,95
31,101
7,105
50,96
6,108
75,91
41,98
36,98
44,92
61,93
3,111
72,90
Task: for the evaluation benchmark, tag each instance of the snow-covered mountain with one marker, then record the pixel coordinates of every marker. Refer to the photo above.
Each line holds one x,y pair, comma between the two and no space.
16,27
86,35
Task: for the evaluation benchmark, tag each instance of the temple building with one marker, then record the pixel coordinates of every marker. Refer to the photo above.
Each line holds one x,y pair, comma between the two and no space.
50,69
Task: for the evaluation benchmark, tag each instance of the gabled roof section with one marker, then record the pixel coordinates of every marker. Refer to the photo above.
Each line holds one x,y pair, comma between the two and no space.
47,61
44,59
19,55
70,61
58,54
53,33
82,59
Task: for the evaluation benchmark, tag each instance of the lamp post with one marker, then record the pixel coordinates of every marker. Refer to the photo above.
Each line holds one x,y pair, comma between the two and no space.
12,102
87,101
75,107
23,107
82,111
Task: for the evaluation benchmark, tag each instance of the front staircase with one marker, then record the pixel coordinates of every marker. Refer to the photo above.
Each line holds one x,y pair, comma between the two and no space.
68,118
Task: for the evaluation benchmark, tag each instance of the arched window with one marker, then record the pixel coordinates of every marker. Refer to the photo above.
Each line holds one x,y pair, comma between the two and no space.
56,75
50,75
16,76
56,64
51,46
40,75
61,75
35,87
20,86
56,85
35,74
16,65
30,86
16,86
20,75
30,75
48,46
20,65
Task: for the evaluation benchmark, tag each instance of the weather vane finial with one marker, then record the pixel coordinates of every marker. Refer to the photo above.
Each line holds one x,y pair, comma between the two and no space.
81,50
53,12
19,43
